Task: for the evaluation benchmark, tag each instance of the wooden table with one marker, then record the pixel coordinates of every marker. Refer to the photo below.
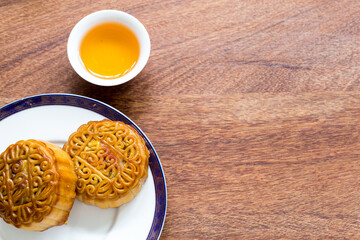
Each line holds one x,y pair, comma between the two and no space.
253,106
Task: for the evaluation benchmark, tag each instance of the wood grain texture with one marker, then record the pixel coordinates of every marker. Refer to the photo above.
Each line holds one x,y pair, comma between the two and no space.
253,106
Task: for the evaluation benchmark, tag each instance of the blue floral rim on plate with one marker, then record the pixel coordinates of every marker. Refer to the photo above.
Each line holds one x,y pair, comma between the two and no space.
112,114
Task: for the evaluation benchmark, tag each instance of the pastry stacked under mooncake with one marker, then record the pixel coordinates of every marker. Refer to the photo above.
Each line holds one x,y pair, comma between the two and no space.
37,185
111,162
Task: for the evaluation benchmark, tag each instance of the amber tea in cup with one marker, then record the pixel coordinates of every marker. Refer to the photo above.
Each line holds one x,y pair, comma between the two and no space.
109,50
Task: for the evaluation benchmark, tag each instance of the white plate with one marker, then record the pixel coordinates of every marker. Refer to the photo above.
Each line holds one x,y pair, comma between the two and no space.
53,117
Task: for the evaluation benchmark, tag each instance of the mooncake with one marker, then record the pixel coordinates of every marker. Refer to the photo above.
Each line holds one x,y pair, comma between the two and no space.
111,162
37,185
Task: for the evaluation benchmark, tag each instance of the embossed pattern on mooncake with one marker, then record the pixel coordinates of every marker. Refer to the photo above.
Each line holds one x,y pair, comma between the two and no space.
28,181
111,162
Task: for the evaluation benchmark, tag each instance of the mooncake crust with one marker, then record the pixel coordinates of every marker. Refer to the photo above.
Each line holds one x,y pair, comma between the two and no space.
37,185
111,162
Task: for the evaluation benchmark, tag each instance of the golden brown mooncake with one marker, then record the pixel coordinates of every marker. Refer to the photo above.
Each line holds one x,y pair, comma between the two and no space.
37,185
111,162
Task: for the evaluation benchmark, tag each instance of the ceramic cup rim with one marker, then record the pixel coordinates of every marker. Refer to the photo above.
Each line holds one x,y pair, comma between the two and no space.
94,19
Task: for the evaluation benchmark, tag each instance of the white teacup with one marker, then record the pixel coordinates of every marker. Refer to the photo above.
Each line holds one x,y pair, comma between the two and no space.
94,19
